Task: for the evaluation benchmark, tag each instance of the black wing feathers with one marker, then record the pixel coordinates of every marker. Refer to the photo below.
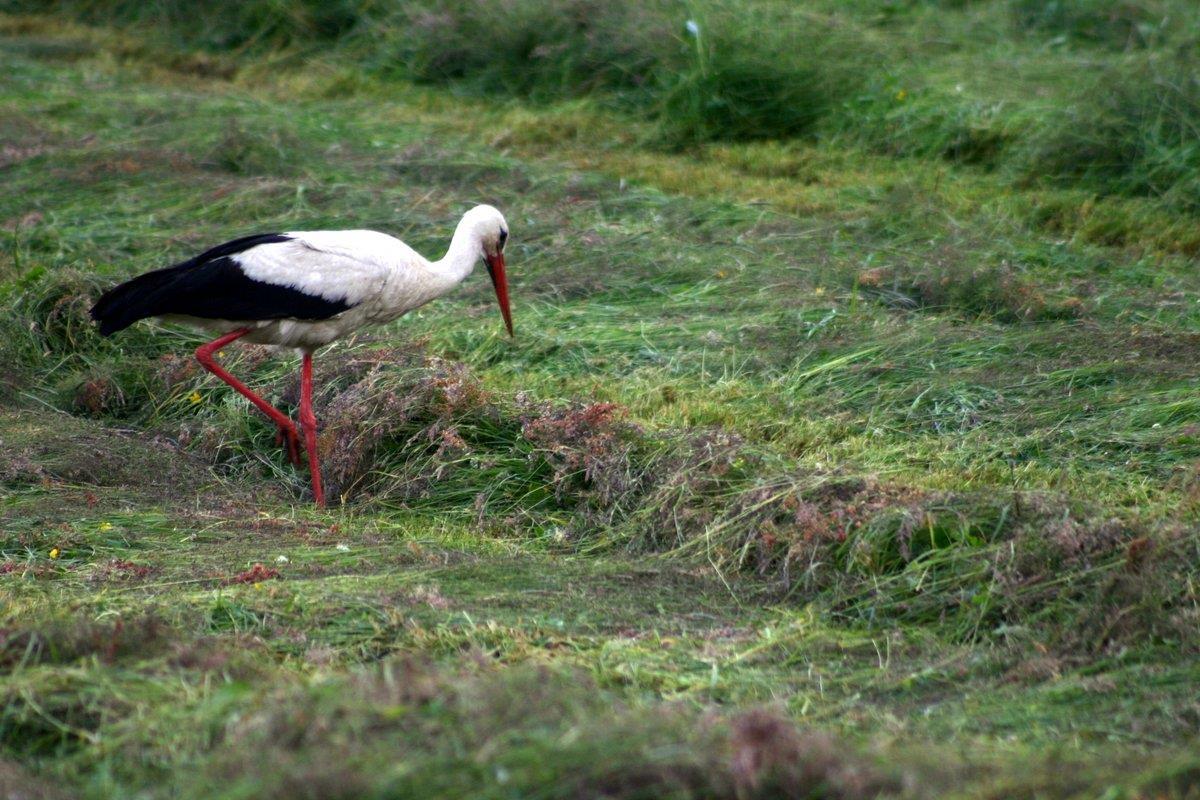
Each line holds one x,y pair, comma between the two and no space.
238,245
209,286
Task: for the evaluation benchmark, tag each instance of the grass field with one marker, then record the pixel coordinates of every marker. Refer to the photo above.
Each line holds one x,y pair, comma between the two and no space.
858,460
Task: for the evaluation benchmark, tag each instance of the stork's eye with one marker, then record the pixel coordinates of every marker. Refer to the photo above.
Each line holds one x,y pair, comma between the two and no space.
503,238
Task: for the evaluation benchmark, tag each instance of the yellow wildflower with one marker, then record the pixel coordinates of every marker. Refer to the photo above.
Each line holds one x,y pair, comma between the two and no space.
54,553
106,526
195,397
900,95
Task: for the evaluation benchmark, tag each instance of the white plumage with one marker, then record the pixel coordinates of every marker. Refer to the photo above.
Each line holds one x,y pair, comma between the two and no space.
305,289
378,275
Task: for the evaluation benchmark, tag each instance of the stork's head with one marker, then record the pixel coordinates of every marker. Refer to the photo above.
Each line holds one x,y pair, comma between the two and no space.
492,233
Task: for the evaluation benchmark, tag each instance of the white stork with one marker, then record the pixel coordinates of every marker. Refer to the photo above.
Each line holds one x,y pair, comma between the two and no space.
304,290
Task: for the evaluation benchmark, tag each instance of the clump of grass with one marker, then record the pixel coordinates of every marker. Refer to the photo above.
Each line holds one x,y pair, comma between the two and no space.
229,25
730,72
930,123
17,781
424,431
1132,131
759,72
526,729
90,374
55,308
545,49
67,711
245,149
1121,25
1000,561
998,292
66,641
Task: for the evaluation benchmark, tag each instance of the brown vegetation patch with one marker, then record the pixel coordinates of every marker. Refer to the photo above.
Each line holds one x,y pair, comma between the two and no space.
358,418
1035,670
591,453
17,783
120,569
399,425
104,167
26,220
769,756
998,291
65,641
615,751
304,530
22,137
1108,353
429,596
256,574
1161,348
173,369
37,446
13,154
97,397
234,655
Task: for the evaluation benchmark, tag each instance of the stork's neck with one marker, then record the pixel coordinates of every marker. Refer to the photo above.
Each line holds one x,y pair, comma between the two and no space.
466,249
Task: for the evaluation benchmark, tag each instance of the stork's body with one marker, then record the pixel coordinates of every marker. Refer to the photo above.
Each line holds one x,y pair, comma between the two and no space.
304,290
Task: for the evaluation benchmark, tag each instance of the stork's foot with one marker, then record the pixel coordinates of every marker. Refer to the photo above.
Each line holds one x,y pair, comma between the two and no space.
292,437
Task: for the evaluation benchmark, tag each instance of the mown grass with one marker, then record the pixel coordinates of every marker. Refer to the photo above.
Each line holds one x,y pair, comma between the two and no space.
927,492
1086,94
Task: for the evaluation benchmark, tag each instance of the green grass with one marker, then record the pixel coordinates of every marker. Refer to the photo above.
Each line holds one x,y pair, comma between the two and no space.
855,438
1087,94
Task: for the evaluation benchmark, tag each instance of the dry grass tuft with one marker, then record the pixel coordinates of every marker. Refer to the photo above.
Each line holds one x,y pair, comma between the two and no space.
18,783
770,757
999,292
601,750
41,447
256,574
68,641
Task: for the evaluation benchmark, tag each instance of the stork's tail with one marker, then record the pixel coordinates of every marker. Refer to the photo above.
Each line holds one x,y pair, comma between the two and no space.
126,303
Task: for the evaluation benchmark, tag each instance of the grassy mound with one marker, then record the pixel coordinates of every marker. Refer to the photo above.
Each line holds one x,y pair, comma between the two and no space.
403,429
339,737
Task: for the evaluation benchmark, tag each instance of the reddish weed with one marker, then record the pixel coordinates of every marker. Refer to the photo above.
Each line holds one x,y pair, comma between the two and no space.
119,569
255,574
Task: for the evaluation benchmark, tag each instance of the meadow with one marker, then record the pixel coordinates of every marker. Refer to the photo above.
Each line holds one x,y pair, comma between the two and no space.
849,444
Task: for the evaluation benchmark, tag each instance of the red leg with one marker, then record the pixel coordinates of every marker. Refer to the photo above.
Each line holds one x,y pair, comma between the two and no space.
204,354
293,444
308,423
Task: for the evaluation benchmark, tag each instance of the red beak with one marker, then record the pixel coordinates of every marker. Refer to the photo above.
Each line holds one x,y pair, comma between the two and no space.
495,267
